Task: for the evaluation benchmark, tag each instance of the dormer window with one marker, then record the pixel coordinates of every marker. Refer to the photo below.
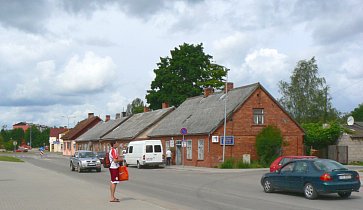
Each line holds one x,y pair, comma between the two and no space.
258,118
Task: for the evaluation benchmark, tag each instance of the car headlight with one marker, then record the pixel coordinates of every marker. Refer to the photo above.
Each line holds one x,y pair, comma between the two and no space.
98,162
84,163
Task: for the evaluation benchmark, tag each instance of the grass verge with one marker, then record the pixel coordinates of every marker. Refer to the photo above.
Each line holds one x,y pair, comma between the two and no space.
10,159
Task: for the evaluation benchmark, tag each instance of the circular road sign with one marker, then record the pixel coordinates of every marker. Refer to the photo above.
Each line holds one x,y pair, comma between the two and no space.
183,131
15,143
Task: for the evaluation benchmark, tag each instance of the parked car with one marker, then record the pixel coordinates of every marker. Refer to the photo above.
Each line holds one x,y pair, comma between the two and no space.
85,160
312,177
144,153
101,155
284,159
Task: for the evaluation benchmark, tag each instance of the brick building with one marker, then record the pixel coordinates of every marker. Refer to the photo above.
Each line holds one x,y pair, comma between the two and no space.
248,109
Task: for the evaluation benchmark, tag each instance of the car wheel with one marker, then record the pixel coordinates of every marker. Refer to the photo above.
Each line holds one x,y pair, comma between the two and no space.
344,194
72,167
310,192
79,168
138,165
267,186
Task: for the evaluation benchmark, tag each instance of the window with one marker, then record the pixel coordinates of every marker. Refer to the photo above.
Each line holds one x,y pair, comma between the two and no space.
258,116
288,168
130,149
301,167
201,149
189,149
149,148
157,148
167,145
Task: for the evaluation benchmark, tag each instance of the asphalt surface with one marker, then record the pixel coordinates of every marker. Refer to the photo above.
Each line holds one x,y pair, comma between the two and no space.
28,186
25,186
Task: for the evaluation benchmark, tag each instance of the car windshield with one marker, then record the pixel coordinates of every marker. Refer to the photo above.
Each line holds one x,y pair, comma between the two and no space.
87,155
329,165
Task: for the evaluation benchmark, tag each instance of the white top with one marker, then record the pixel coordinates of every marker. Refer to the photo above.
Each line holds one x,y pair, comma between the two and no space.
168,153
112,156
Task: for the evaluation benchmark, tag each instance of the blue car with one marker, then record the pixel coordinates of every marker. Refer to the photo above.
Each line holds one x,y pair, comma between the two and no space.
312,177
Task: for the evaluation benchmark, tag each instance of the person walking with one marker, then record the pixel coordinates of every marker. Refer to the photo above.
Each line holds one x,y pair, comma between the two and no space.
115,164
168,157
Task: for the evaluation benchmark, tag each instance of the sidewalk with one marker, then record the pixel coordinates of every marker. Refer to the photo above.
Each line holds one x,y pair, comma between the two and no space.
25,186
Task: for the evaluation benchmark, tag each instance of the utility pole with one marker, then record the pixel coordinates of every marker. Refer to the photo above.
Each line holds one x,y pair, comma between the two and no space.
225,115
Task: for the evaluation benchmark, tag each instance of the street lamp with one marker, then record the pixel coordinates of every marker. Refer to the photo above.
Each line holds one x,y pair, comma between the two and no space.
225,115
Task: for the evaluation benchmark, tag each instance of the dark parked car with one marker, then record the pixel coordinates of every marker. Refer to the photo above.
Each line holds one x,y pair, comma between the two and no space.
101,155
312,177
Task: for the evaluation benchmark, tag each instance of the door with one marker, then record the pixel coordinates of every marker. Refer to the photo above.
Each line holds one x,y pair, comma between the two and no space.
178,153
295,181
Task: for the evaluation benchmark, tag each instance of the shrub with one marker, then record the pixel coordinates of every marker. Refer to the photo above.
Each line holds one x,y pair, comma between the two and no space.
268,144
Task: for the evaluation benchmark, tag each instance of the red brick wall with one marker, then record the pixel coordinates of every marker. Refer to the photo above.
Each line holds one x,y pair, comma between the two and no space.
241,126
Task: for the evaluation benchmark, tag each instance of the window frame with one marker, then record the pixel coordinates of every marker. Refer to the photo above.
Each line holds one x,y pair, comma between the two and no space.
258,117
189,150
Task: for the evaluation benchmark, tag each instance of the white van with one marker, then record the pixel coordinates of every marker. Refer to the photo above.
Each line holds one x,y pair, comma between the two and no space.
145,153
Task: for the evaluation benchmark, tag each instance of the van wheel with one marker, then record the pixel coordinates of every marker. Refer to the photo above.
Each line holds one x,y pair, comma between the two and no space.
138,165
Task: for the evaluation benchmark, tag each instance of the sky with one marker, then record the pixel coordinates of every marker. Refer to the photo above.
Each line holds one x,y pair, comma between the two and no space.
60,60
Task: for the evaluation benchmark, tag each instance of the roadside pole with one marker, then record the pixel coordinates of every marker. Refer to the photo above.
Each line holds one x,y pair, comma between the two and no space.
183,131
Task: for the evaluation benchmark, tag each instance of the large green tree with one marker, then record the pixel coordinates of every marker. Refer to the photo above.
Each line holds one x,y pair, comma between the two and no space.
306,96
357,113
136,106
184,75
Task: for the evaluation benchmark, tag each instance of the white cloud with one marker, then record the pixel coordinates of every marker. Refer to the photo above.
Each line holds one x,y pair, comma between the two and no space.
267,66
90,74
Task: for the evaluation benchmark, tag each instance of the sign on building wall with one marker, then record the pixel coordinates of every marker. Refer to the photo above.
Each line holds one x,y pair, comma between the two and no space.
229,140
215,139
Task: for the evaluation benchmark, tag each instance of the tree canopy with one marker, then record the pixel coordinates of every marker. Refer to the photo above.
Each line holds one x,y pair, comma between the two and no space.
306,97
357,113
319,136
184,75
136,106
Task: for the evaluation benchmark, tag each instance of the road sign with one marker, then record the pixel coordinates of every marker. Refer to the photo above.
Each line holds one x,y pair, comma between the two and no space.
15,143
184,131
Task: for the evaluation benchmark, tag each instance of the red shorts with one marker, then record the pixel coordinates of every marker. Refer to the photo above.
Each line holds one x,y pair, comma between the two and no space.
114,175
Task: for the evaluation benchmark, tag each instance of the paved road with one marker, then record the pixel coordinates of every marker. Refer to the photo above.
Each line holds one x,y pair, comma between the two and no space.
170,188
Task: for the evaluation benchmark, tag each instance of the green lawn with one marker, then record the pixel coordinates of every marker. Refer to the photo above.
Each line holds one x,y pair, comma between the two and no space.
10,159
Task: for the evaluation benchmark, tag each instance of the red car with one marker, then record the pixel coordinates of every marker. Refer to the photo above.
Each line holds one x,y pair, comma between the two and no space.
280,161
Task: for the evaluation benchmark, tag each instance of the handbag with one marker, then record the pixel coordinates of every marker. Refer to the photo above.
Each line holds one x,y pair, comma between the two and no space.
123,173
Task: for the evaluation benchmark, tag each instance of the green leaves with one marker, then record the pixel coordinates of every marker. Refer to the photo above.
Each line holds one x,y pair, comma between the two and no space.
319,136
183,75
268,144
306,97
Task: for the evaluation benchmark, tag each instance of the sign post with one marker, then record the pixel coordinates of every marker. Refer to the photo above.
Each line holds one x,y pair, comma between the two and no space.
15,143
183,131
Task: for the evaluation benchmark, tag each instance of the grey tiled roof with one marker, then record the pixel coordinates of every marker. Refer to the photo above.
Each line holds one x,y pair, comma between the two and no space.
202,115
357,129
137,124
100,129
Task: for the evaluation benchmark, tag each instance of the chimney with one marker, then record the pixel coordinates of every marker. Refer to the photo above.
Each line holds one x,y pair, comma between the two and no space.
165,105
208,91
118,115
90,115
229,86
108,117
146,109
123,114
